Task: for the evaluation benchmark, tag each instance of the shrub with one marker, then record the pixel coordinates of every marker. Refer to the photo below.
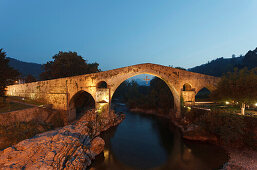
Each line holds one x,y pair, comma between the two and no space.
230,128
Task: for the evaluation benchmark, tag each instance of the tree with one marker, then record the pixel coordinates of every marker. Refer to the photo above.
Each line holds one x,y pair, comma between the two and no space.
250,59
30,79
67,64
239,86
157,96
7,73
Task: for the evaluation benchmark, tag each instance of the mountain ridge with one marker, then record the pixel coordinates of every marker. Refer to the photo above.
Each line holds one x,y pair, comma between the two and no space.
220,66
26,68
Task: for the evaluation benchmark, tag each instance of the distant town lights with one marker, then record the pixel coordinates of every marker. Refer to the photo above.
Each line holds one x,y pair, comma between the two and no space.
227,102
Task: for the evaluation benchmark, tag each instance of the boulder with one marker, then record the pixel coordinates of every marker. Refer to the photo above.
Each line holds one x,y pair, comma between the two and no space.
97,145
70,147
196,133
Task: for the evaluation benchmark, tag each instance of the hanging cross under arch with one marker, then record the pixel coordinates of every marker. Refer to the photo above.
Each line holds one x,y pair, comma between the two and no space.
146,79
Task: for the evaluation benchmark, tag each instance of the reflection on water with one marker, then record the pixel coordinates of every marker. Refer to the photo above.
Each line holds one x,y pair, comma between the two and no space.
149,142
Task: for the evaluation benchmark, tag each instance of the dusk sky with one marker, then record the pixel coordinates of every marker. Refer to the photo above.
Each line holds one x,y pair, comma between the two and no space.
118,33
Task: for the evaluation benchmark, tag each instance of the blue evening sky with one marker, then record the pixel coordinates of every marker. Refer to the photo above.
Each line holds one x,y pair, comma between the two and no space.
118,33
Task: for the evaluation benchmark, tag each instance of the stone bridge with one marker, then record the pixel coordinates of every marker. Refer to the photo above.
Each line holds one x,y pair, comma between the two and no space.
64,93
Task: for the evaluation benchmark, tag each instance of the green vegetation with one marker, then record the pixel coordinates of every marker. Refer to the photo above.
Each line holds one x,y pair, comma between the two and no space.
30,78
232,129
26,100
238,86
157,96
14,103
7,73
235,89
67,64
12,106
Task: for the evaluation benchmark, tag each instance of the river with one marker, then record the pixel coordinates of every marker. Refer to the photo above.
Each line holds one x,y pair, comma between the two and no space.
149,142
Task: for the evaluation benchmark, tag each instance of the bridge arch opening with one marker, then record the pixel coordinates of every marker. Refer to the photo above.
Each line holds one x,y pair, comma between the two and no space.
102,84
203,94
187,87
141,92
80,103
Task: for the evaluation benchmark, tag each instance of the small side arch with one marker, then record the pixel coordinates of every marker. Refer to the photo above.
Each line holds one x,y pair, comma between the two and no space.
101,84
203,94
187,87
80,103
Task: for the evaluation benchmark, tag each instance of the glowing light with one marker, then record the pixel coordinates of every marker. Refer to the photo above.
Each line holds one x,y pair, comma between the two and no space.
189,108
101,107
227,102
106,154
256,104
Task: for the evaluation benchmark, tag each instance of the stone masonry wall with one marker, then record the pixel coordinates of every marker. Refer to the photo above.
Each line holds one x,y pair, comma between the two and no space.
34,113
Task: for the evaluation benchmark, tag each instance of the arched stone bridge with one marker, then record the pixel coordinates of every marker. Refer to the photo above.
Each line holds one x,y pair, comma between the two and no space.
60,92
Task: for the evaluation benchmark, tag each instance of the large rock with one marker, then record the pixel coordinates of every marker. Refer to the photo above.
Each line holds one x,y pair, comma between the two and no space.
70,147
97,145
196,133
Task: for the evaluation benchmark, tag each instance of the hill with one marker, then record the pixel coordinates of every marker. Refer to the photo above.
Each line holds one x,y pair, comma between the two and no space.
26,68
222,65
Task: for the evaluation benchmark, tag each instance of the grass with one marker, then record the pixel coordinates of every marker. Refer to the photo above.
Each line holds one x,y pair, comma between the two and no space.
14,103
229,108
12,106
26,100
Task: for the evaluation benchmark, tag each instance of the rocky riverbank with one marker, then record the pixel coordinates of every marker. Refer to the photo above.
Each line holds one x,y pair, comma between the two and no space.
70,147
239,158
244,158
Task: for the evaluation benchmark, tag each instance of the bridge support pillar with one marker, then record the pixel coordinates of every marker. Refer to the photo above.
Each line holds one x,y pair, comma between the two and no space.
102,101
189,97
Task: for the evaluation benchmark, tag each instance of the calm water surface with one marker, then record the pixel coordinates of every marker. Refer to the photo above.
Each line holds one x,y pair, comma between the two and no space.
149,142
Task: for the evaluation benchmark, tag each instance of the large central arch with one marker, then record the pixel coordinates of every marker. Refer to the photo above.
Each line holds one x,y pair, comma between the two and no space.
147,92
169,83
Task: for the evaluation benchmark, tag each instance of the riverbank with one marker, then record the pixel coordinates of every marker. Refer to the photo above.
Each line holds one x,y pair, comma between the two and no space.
240,155
71,147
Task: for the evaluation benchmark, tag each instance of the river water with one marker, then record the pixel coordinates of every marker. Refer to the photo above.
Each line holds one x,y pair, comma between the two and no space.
149,142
